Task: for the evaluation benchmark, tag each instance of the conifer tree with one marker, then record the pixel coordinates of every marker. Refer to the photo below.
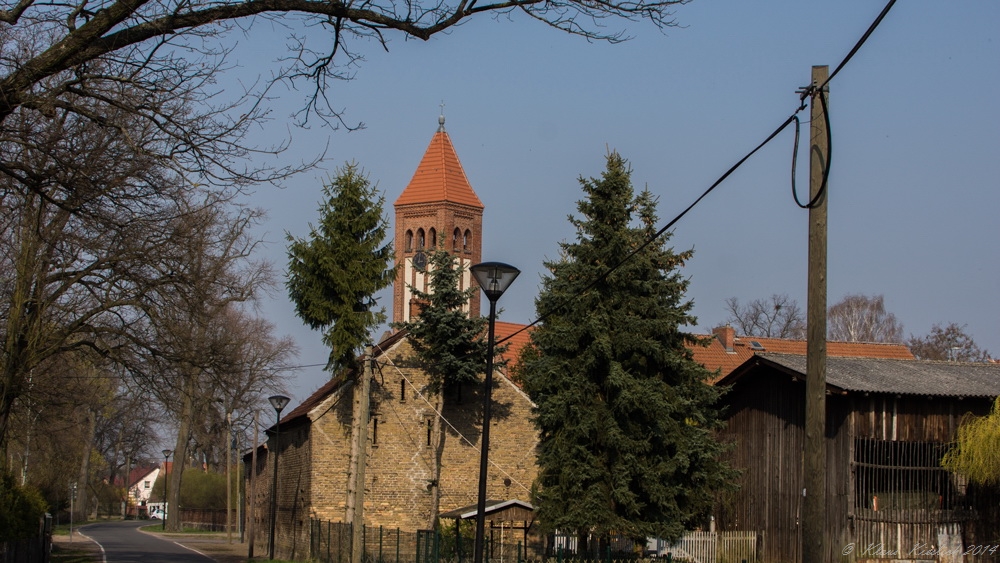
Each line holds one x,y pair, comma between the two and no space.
334,275
450,346
449,342
624,414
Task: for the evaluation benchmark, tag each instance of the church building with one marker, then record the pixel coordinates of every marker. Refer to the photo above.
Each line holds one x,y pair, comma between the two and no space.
438,208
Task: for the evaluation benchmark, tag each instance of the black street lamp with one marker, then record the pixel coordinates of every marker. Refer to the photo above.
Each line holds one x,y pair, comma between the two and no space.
494,278
166,456
278,402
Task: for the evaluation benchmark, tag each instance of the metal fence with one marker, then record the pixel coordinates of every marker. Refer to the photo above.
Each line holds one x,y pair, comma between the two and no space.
30,550
693,547
330,542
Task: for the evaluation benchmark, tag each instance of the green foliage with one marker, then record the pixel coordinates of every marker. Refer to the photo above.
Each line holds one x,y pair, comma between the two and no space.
334,275
449,342
20,509
949,343
624,415
199,489
976,453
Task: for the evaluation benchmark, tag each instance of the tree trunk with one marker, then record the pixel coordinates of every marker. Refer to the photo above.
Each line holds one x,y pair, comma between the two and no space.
180,454
83,488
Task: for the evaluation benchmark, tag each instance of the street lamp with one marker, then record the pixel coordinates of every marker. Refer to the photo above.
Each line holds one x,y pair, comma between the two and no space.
278,402
166,456
494,278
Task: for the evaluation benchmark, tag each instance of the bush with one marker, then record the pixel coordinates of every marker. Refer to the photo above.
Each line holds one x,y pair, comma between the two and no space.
20,509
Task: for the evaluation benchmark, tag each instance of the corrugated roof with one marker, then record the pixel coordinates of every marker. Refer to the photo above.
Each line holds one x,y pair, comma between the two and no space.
439,177
897,377
715,356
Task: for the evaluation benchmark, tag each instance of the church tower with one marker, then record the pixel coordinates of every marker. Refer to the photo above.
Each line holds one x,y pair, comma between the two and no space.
438,209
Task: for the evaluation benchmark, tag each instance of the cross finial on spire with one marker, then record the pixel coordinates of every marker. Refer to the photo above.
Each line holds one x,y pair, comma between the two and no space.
441,118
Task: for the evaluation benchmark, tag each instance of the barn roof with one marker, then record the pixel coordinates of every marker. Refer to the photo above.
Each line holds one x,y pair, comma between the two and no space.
889,376
718,356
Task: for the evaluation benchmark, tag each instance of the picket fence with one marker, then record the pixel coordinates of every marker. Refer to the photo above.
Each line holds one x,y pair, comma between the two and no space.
714,547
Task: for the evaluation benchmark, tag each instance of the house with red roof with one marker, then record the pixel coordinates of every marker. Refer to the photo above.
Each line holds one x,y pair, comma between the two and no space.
726,351
140,487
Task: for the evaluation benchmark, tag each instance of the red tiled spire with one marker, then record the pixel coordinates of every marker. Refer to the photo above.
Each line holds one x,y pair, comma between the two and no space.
439,177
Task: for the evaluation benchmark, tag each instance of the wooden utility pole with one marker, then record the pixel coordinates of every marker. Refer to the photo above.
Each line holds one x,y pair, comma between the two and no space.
814,493
359,449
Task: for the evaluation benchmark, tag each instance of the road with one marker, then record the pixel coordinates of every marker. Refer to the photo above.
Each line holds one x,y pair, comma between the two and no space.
122,542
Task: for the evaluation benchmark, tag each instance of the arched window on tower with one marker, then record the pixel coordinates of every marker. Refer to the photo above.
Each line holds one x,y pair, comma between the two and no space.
409,240
455,237
432,238
420,239
467,241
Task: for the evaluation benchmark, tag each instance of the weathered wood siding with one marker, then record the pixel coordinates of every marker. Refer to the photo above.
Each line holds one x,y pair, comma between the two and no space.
900,438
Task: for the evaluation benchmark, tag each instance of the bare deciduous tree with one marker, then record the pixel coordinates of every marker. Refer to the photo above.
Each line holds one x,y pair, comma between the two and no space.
82,220
196,332
140,40
950,343
777,317
93,203
860,318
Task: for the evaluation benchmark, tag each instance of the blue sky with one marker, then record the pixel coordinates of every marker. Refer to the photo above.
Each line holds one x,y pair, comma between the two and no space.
914,195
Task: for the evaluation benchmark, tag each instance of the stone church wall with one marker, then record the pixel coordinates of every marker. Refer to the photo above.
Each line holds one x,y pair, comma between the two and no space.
401,461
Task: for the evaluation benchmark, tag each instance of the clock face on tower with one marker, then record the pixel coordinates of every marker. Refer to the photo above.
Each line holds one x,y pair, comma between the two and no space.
420,261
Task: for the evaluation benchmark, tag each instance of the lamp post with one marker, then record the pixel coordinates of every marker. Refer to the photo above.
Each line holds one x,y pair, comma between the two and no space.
229,480
494,278
278,402
166,456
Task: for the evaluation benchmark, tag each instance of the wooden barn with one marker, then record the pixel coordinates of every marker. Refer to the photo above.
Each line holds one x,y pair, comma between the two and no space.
888,424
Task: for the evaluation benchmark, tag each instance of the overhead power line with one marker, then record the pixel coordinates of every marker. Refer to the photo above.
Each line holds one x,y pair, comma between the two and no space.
805,94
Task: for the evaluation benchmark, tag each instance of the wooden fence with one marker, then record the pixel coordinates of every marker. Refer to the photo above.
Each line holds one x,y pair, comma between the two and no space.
715,547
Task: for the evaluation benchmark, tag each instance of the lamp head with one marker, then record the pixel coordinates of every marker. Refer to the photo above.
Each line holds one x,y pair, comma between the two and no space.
166,453
494,278
278,402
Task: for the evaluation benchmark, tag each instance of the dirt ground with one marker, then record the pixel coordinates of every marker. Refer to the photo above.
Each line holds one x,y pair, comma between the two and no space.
215,546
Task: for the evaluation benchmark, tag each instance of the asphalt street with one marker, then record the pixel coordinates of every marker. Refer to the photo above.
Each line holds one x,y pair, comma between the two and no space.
123,542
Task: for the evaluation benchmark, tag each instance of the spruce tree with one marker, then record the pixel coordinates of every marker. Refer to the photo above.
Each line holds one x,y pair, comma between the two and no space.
624,414
333,275
449,342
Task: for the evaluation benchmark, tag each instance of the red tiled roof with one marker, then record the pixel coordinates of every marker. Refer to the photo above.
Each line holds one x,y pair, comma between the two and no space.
517,340
439,177
715,356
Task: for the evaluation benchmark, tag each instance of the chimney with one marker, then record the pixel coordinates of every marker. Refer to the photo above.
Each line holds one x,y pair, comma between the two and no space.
726,335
